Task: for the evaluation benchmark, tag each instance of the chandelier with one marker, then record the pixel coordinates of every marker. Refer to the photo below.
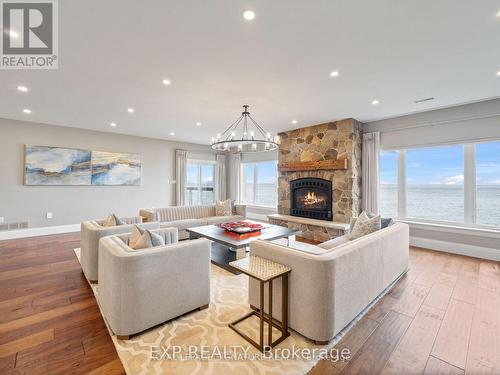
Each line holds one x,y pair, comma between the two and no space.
245,135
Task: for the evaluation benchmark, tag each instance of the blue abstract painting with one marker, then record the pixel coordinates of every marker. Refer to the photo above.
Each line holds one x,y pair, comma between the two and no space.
56,166
115,168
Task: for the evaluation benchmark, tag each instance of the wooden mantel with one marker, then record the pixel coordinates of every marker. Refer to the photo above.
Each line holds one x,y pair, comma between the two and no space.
312,165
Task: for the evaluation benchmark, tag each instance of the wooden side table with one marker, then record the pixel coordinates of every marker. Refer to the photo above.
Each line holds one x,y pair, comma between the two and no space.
265,271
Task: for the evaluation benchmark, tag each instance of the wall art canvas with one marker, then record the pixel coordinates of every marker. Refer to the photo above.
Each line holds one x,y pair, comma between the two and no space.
56,166
115,168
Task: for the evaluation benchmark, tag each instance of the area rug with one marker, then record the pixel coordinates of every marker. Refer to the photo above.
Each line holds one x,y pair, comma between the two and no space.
151,352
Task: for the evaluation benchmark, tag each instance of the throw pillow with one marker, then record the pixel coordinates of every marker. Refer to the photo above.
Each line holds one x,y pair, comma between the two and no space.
147,240
386,222
156,239
135,235
223,208
112,220
364,225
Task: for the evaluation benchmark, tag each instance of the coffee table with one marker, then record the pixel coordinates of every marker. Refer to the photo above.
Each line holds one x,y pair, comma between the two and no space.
228,247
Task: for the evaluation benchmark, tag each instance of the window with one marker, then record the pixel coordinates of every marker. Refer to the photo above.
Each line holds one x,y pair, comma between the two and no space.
435,183
456,184
200,183
258,183
488,183
388,204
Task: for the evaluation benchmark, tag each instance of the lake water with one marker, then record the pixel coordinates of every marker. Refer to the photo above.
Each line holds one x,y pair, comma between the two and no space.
442,203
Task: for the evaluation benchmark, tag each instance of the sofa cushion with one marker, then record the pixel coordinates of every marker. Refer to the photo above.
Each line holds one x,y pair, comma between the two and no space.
184,223
223,219
364,225
327,245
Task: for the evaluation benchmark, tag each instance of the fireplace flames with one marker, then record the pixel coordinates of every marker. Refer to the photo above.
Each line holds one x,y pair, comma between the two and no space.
311,199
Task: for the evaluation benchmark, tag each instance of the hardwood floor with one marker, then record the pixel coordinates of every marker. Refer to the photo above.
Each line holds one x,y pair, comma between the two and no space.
49,319
443,317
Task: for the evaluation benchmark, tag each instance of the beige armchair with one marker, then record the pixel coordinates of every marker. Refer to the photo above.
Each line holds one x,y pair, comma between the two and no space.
139,289
92,231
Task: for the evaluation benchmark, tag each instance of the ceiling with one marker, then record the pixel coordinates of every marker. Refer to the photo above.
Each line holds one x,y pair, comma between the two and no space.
114,54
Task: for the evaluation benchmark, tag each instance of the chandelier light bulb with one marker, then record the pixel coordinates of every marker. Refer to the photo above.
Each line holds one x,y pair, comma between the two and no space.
240,146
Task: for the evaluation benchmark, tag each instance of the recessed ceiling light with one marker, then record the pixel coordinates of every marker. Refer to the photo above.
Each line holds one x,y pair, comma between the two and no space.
172,133
27,111
22,88
130,110
294,121
334,74
112,124
249,15
498,14
498,73
375,102
166,82
198,124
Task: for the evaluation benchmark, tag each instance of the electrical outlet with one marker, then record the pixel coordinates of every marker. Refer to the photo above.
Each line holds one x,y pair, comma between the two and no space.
1,219
49,215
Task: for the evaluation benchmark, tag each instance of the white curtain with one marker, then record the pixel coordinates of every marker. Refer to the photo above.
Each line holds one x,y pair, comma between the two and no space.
235,177
180,175
370,165
220,177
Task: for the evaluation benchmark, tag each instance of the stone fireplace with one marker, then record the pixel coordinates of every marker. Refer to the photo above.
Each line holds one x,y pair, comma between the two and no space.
311,197
334,141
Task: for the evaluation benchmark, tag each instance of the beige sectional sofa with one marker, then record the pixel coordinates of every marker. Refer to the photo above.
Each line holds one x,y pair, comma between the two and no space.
92,231
139,289
183,217
328,288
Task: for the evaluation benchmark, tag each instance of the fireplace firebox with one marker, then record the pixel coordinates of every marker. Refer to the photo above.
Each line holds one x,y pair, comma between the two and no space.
311,198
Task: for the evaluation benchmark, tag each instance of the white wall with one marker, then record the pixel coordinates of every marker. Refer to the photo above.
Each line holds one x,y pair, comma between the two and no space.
461,124
73,204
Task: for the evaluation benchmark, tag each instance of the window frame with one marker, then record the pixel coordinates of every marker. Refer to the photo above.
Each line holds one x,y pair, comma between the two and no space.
199,164
470,186
243,183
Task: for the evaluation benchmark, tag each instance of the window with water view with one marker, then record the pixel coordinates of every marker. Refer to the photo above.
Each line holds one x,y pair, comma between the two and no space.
259,183
488,183
200,183
437,184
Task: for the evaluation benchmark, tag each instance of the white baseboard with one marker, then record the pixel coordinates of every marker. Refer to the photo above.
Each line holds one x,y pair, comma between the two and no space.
42,231
456,248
